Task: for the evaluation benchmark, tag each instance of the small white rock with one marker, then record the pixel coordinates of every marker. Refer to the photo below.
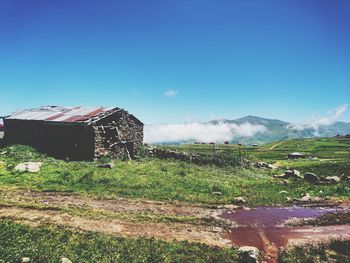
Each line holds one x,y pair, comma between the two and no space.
65,260
31,167
249,254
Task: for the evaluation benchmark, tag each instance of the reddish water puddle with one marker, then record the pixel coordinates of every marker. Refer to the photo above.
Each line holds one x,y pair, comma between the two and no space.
264,227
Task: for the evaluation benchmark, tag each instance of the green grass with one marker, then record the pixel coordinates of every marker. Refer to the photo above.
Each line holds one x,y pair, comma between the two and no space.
165,180
50,244
335,251
333,153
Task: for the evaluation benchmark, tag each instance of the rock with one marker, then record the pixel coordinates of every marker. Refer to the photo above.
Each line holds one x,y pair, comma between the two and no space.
331,253
280,176
289,199
239,201
296,174
332,179
25,259
32,167
308,198
305,198
271,166
311,177
65,260
288,173
249,254
106,165
217,229
292,173
264,165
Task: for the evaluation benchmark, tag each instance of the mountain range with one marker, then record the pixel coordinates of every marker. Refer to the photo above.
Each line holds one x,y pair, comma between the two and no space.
280,130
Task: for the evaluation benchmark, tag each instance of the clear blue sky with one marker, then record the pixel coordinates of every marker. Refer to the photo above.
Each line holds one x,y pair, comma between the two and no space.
279,59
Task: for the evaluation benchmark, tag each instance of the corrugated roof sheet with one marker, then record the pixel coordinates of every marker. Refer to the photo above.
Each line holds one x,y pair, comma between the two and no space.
59,114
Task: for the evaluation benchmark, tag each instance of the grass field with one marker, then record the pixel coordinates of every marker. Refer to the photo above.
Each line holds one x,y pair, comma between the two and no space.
335,251
167,180
164,180
333,154
50,244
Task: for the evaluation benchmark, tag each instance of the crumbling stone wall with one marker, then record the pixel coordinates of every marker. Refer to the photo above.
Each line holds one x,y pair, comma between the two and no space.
119,134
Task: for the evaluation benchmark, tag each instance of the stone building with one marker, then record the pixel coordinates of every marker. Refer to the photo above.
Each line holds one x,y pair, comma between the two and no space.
76,133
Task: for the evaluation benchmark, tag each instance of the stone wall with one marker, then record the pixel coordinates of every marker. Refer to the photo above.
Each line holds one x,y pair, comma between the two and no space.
119,134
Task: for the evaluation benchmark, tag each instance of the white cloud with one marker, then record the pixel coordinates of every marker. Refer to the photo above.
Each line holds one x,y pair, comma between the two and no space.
203,132
171,93
315,123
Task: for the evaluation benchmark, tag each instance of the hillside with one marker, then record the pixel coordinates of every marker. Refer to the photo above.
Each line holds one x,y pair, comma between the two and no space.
278,130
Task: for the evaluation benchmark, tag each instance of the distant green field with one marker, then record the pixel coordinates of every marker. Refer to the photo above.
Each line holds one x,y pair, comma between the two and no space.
333,154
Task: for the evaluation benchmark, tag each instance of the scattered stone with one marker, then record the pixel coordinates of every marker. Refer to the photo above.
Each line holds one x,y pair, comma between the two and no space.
292,174
25,259
296,174
217,229
331,253
288,173
309,199
332,179
216,193
264,165
289,199
65,260
32,167
106,165
305,198
249,254
311,177
260,164
239,201
271,166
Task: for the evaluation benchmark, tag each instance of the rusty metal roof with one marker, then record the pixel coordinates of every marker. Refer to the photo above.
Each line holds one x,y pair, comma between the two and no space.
59,114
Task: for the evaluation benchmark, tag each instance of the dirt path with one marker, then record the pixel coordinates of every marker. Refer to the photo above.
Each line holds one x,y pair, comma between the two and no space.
36,208
173,231
66,200
275,145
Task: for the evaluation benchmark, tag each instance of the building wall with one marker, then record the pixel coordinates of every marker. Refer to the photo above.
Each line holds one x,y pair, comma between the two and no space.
119,134
72,141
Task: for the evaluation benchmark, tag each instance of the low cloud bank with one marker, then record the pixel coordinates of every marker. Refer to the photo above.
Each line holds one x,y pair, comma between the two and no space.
202,132
315,123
